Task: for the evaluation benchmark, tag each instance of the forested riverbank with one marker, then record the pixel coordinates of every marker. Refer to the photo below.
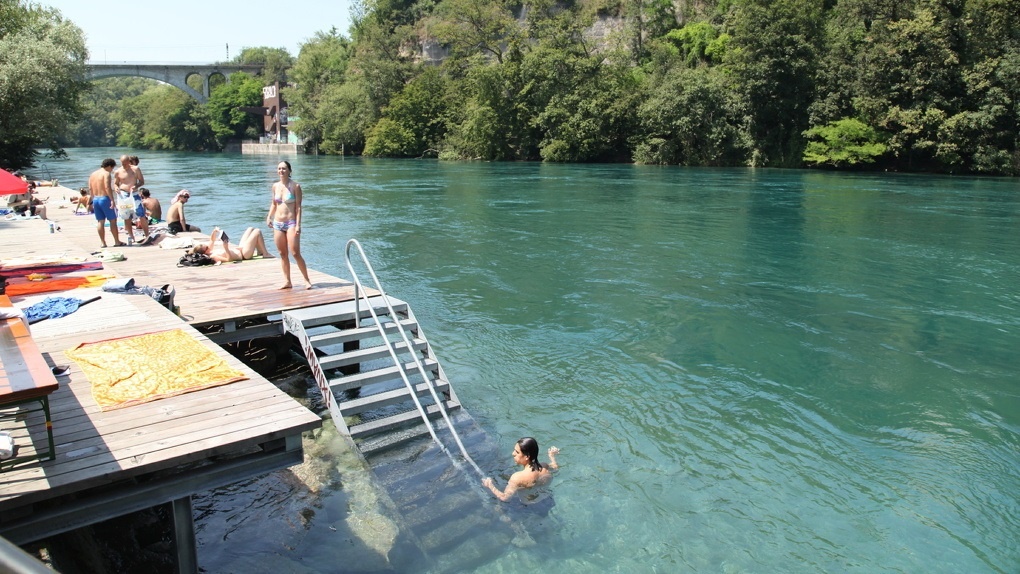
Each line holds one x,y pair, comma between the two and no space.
913,85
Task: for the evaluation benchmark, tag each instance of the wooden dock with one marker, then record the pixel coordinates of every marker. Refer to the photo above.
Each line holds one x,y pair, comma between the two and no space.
111,463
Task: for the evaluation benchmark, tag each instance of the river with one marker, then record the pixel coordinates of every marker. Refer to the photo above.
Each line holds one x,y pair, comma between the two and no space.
745,370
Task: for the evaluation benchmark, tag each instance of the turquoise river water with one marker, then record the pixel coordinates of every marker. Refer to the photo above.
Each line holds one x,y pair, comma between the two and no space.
746,370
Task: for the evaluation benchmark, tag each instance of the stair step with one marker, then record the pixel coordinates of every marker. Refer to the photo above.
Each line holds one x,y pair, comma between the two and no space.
442,536
399,420
396,396
366,378
367,354
382,444
443,507
341,312
361,333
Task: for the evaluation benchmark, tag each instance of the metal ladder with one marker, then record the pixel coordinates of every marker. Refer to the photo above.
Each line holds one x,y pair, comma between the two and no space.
386,366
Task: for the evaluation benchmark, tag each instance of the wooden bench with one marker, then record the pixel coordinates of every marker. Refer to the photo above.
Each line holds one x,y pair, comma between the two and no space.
25,379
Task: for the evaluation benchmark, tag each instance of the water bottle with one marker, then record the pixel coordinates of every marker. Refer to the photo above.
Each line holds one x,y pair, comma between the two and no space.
53,227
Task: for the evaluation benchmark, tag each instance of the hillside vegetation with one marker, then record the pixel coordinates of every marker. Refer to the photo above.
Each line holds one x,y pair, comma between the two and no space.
909,85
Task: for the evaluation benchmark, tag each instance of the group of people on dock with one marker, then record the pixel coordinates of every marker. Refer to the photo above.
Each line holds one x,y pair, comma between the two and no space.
27,203
117,195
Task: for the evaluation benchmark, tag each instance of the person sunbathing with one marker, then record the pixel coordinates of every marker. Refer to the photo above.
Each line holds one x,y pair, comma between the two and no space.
220,250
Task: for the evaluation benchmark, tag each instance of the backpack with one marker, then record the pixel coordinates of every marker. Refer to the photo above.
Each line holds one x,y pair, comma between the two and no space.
195,260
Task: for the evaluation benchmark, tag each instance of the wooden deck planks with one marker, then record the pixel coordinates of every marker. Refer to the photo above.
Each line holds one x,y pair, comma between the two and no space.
96,448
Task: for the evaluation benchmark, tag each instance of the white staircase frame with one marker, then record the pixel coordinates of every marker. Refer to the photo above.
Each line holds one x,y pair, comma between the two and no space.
359,292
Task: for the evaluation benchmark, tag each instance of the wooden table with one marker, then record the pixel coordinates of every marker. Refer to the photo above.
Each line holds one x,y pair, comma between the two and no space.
25,380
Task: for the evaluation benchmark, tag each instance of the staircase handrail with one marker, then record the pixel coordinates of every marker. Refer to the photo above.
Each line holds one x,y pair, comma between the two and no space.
358,288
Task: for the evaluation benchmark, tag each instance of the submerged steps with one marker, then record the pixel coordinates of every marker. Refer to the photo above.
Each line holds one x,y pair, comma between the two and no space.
374,372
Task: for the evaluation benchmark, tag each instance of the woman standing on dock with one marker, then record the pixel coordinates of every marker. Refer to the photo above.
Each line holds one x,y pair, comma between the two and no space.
285,219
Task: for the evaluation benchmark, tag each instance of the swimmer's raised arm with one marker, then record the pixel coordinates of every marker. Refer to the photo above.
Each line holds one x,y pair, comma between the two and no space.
553,451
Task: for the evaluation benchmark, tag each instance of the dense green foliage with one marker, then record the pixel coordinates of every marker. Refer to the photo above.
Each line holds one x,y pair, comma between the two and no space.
904,85
146,114
913,85
227,118
42,68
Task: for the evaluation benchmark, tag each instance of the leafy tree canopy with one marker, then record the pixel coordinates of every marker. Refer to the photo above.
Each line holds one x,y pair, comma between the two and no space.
42,71
225,109
274,61
844,143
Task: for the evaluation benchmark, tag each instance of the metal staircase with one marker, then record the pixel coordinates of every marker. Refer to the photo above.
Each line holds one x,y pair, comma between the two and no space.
385,389
360,362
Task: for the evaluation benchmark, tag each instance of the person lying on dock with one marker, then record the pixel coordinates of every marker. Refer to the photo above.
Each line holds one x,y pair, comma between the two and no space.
36,182
252,243
533,474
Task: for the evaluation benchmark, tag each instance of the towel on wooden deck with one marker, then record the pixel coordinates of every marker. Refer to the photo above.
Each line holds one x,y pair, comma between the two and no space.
176,243
22,286
22,267
134,370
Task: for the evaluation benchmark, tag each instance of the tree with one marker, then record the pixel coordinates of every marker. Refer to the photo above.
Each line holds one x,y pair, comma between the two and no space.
164,117
318,72
692,117
415,120
274,61
775,44
98,124
346,119
42,77
698,42
227,118
472,26
844,143
913,83
593,119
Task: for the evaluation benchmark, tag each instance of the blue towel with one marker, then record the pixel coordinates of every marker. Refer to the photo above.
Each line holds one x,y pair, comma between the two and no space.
51,308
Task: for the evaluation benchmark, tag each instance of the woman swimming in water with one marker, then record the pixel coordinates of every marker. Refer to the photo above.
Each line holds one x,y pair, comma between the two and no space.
285,219
533,474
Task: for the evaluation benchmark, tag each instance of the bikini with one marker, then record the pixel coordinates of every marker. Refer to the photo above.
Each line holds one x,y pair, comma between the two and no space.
288,198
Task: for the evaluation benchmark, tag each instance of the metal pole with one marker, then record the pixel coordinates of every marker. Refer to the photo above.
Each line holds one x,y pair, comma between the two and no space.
184,536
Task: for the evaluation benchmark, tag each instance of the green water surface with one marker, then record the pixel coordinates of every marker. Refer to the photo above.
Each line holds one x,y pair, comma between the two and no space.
745,370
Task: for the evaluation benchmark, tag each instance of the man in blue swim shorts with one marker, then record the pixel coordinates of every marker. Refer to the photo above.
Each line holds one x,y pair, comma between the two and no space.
101,190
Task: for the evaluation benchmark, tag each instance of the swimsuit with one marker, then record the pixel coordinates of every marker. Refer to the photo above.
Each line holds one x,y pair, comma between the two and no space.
284,225
102,207
174,227
288,197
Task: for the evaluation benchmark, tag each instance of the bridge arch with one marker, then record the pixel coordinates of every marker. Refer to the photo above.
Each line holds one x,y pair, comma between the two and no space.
174,74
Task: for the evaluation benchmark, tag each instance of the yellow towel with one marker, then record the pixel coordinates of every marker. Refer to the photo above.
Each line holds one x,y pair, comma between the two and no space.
135,370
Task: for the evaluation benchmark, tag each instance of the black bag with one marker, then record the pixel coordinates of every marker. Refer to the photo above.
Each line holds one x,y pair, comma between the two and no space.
195,260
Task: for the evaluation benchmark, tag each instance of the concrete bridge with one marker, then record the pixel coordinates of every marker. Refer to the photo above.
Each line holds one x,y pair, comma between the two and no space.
174,74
